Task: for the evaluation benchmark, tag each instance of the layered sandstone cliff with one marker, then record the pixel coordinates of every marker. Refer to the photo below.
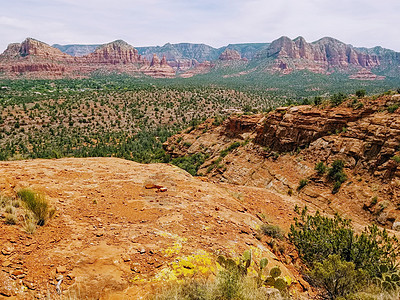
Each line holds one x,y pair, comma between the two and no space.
324,55
33,58
278,149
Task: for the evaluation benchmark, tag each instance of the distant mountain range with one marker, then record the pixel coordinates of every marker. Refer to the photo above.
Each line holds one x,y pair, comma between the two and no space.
33,58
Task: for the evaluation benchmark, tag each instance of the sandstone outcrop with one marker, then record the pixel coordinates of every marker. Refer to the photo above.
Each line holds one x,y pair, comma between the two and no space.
36,59
366,138
230,54
115,237
322,56
158,69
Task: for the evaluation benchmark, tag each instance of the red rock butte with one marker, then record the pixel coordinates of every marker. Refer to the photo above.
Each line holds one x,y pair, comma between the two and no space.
33,58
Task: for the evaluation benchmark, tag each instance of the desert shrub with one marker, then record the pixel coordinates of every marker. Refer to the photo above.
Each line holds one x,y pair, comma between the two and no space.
316,237
233,281
396,158
9,209
360,93
302,183
230,148
320,168
36,203
11,219
336,174
190,163
339,278
4,200
272,230
317,100
188,290
393,108
337,99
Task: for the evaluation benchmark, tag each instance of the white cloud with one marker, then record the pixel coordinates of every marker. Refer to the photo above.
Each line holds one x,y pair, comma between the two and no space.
215,22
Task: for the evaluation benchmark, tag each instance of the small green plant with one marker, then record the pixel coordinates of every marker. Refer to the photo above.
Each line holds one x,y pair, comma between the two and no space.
272,230
339,278
360,93
393,108
302,183
190,163
230,148
336,174
37,204
396,158
337,99
320,167
9,209
11,219
317,100
29,224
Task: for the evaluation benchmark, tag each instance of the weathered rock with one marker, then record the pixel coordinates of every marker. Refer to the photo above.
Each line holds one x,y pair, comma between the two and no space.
36,59
229,54
321,56
61,269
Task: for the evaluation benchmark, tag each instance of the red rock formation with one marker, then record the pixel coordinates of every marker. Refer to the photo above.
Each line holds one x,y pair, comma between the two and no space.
117,52
33,58
367,139
365,74
200,68
158,69
319,57
229,54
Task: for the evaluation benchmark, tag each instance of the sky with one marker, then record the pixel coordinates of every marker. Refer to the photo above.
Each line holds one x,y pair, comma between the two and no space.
362,23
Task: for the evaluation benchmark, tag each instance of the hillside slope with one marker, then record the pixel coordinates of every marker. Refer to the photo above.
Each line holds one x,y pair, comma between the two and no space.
122,228
280,149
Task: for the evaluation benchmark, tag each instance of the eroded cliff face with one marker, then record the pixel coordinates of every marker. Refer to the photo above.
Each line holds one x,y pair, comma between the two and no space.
323,56
36,59
280,148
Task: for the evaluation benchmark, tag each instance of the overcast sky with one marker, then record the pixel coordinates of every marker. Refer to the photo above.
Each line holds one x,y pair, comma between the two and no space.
215,22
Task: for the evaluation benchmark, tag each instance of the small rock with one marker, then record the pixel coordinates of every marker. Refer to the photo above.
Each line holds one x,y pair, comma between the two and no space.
125,257
6,251
17,272
152,186
271,293
396,225
59,277
142,251
61,269
70,276
6,263
163,189
29,285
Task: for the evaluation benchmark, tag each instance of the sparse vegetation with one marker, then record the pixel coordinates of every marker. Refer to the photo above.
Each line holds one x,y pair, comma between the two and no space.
396,158
230,148
337,98
190,163
320,168
37,204
392,108
339,278
233,281
302,183
330,247
337,175
11,219
360,93
272,230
